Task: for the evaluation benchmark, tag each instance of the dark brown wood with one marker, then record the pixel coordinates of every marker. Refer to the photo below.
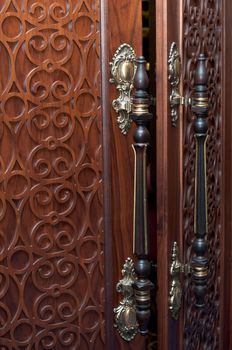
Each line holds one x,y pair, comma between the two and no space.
226,241
169,169
124,20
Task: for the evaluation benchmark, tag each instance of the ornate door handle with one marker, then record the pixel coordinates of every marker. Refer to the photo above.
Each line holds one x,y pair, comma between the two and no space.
141,116
133,313
198,267
200,109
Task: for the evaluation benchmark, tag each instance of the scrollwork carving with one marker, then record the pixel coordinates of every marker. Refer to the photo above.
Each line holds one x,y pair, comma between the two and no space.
202,33
50,178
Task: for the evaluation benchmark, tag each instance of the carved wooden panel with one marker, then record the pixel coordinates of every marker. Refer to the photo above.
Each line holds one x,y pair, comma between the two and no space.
202,33
51,243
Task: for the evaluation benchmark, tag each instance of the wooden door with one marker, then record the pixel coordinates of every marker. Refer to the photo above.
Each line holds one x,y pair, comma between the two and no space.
66,182
196,27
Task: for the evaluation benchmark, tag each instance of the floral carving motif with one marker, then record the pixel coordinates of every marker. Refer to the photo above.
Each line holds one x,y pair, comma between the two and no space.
51,270
202,34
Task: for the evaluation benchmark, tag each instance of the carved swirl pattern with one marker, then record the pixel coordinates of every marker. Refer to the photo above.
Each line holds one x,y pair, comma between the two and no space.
51,244
202,33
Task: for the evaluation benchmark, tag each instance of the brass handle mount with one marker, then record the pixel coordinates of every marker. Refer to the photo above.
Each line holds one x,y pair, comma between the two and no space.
175,290
125,313
174,74
123,70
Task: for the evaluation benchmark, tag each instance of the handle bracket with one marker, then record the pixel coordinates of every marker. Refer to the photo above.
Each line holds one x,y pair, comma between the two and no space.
123,70
175,291
125,313
175,99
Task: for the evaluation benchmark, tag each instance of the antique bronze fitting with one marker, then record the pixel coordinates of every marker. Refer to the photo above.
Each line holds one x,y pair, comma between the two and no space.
175,291
174,74
123,70
125,313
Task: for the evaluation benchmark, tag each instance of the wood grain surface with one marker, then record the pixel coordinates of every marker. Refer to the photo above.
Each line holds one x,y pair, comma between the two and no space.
225,339
64,166
51,264
168,169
